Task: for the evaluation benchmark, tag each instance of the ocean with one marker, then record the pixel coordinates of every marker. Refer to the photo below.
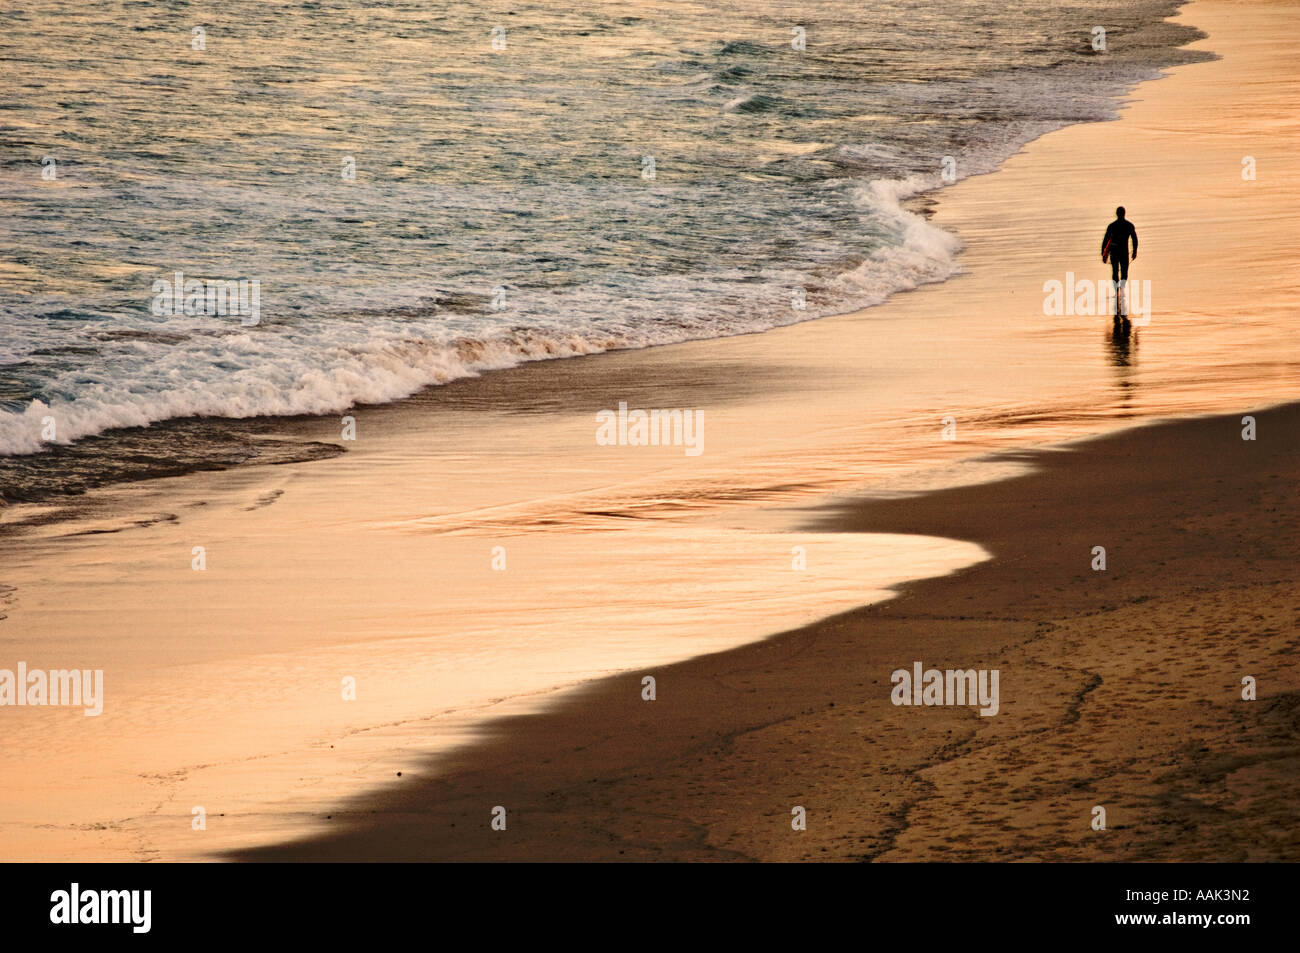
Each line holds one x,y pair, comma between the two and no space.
420,193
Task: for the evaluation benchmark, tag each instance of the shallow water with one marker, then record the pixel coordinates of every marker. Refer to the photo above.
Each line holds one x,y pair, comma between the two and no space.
501,209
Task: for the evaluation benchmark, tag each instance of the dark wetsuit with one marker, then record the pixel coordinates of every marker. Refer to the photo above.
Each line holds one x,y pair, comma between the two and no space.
1118,234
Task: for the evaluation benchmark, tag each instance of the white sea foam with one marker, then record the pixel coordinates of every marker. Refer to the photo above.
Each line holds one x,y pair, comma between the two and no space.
328,366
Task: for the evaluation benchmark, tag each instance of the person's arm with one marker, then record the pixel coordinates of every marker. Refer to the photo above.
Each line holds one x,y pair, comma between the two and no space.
1104,239
1134,232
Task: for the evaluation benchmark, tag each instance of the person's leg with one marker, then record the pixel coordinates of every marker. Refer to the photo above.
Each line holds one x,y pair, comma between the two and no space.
1122,286
1114,282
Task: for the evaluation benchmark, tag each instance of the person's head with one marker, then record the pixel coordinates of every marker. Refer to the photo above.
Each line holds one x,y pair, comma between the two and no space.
1119,212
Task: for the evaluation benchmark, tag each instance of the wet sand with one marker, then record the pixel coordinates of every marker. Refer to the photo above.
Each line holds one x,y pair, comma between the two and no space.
1119,688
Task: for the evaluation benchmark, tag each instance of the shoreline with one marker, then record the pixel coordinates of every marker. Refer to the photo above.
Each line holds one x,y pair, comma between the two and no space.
1118,688
143,451
61,480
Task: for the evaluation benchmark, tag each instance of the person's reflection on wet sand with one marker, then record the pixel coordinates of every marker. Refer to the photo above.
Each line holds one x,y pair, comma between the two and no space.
1122,342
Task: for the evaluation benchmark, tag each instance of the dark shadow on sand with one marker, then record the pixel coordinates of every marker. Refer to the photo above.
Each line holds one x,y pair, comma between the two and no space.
603,775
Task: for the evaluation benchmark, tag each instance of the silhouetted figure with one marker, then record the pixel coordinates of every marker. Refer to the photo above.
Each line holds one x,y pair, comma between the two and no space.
1114,244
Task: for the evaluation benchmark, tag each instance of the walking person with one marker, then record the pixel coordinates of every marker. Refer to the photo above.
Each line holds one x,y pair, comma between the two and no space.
1114,244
